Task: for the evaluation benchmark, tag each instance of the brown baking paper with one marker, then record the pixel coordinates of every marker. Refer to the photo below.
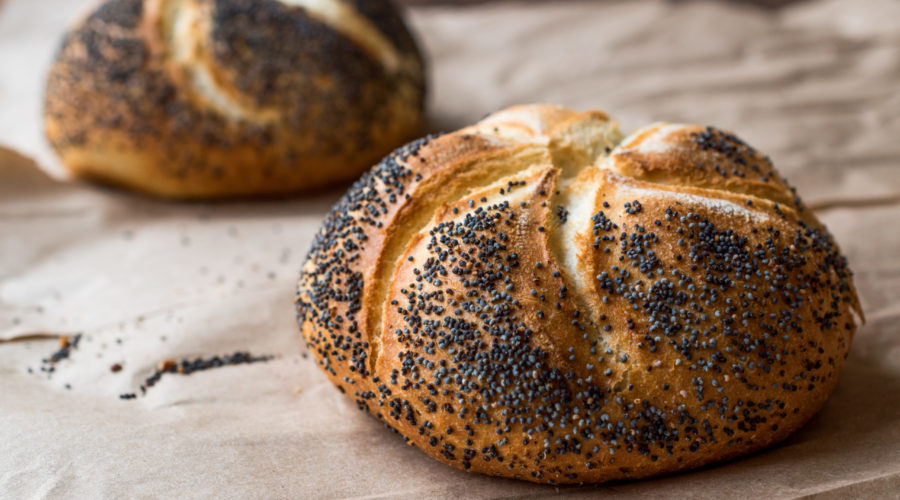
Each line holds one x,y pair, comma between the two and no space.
815,85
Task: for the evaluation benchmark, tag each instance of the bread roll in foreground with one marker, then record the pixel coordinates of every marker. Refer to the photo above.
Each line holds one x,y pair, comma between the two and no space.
537,297
223,98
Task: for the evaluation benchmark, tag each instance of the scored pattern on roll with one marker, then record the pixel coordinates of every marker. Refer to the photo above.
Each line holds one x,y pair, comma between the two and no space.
186,25
537,297
346,20
185,28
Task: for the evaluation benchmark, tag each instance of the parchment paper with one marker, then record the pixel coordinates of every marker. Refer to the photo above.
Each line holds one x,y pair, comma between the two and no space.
816,85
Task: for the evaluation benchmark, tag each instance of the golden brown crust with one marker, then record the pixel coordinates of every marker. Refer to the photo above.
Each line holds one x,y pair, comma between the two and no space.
535,297
204,98
701,157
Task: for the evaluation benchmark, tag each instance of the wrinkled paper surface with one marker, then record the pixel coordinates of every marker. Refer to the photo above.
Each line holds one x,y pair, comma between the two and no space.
815,85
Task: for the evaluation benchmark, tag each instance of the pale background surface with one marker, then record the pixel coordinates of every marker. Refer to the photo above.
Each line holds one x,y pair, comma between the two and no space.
815,85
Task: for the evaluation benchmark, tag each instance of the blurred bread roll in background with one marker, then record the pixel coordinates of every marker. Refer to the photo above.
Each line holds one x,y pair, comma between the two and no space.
221,98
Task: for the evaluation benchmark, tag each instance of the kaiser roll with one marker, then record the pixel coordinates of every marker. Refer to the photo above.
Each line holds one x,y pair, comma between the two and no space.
219,98
537,297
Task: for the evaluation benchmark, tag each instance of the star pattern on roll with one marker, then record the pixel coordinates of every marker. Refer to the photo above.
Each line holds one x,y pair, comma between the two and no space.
538,297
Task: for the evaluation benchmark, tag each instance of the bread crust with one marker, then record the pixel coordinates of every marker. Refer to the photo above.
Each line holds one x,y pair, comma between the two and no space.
220,98
536,297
